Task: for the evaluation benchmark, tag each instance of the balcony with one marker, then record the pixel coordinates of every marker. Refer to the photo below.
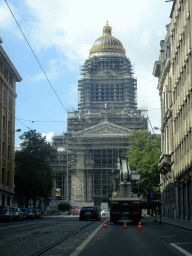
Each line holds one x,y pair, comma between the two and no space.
157,69
165,164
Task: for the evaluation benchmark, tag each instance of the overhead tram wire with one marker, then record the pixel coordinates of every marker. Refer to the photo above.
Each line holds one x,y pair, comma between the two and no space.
35,56
22,123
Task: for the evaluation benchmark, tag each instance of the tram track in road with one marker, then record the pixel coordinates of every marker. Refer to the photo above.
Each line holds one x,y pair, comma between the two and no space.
21,239
43,240
51,246
34,231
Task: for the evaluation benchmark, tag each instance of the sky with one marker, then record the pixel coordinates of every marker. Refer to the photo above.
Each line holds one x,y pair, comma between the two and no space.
61,34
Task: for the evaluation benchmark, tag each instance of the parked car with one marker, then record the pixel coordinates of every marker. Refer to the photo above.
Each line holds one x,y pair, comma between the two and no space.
17,214
75,210
105,212
6,213
89,213
28,214
37,213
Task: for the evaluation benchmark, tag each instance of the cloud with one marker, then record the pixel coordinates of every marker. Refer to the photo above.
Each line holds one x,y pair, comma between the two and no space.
49,136
52,73
6,18
73,24
145,38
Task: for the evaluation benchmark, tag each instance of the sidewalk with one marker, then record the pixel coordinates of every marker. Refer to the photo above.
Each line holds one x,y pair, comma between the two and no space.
175,222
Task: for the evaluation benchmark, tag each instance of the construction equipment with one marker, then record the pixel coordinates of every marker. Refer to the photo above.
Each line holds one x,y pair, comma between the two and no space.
125,203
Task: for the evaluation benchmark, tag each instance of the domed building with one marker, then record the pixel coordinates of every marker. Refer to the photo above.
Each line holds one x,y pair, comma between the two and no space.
97,132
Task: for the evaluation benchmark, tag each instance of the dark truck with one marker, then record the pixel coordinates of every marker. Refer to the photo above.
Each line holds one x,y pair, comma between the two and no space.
122,209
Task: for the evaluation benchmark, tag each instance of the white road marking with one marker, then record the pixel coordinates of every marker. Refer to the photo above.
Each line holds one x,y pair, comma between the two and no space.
180,249
82,246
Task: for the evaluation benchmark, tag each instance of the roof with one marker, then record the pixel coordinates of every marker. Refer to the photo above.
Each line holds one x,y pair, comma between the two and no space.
10,64
107,42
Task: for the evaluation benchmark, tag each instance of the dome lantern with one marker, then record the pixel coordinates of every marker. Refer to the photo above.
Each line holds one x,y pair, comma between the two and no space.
107,29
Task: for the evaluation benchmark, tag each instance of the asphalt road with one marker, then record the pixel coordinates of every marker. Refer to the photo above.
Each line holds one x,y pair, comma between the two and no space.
153,239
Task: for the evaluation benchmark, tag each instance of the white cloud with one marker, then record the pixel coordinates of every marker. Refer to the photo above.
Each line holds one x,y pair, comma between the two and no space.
52,73
6,18
145,38
49,136
72,26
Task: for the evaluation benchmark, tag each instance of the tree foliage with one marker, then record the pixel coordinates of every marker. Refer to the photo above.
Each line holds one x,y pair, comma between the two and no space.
143,156
33,174
64,206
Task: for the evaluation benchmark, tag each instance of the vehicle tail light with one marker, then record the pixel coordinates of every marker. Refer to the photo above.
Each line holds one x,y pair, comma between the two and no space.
136,213
114,213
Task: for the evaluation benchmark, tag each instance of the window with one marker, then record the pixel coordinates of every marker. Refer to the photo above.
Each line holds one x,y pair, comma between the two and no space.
8,200
9,128
11,81
3,149
5,98
6,74
4,123
9,153
3,176
8,178
1,67
3,200
10,102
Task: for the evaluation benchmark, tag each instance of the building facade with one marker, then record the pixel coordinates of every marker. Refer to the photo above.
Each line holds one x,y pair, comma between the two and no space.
174,73
8,78
97,132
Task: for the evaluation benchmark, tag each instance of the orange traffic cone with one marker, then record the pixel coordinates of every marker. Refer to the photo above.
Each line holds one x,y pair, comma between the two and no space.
105,224
139,226
125,225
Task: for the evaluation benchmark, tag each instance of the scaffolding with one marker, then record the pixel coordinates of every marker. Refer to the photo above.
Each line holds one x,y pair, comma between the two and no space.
97,132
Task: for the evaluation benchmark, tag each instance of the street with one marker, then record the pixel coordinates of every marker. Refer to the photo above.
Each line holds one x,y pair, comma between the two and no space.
69,236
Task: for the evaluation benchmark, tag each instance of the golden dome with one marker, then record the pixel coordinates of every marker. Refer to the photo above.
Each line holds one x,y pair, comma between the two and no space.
107,42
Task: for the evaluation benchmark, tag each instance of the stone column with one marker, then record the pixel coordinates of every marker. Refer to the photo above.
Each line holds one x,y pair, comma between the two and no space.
80,177
89,187
73,188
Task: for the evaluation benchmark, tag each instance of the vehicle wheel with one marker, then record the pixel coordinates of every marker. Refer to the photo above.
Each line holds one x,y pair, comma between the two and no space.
103,214
80,219
22,218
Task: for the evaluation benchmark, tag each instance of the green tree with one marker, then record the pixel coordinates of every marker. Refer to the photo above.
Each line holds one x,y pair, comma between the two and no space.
64,206
143,156
33,174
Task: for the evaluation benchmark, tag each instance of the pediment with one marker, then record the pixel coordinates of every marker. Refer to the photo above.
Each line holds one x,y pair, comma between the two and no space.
104,129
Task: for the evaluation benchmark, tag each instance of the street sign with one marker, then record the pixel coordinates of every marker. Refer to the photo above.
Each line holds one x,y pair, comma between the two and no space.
151,193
